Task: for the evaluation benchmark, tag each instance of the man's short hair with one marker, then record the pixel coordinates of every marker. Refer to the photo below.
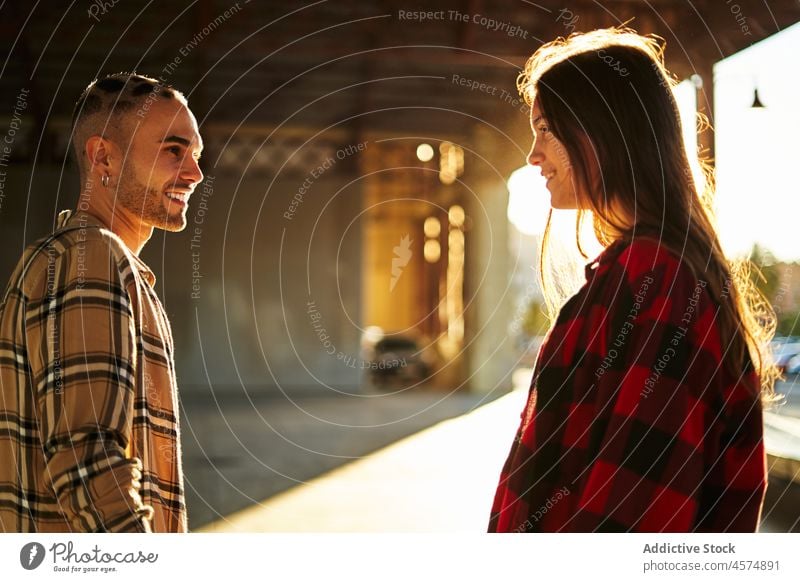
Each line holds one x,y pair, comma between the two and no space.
109,106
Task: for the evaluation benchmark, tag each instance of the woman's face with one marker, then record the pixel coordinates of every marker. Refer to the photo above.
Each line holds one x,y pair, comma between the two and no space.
551,156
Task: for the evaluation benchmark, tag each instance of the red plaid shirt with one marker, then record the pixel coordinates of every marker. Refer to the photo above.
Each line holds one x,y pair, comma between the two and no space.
632,422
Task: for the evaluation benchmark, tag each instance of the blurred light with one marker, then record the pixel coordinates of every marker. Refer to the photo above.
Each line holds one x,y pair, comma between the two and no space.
432,227
424,152
755,193
455,292
371,335
528,200
456,216
432,250
686,98
451,162
456,240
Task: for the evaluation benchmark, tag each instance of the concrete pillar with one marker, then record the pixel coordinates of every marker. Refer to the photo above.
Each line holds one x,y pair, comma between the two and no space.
488,291
705,105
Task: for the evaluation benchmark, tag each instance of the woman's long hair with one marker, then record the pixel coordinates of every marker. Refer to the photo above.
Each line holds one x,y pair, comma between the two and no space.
611,86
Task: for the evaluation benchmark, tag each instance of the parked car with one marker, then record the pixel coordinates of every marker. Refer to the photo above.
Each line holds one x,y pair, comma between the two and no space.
397,360
785,350
793,365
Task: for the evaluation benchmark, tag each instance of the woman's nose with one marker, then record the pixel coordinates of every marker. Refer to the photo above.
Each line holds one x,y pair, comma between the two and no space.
535,156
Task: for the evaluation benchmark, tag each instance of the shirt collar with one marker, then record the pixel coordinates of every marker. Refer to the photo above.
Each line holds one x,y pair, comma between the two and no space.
72,218
600,262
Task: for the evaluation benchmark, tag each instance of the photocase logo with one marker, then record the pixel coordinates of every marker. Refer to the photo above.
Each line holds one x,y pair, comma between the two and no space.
31,555
402,254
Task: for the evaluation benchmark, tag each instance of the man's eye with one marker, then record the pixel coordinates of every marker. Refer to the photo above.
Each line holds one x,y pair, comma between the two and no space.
174,150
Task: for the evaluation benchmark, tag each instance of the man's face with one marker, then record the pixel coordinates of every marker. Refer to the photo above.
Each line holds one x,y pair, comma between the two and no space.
160,169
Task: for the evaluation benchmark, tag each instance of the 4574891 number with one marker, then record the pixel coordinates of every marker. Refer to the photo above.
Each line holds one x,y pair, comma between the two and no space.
755,565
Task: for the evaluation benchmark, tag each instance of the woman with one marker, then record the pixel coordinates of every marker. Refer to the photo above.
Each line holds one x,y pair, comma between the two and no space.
645,407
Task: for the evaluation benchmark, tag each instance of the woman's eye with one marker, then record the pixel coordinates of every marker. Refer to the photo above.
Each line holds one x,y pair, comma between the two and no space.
543,129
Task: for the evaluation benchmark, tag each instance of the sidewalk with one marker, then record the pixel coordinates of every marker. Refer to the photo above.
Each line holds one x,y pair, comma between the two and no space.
782,440
782,432
439,480
239,451
443,480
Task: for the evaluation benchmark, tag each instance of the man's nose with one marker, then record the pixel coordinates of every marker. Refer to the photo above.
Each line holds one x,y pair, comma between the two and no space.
191,171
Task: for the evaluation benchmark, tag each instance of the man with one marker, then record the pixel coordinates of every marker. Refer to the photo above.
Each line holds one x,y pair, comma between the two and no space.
89,438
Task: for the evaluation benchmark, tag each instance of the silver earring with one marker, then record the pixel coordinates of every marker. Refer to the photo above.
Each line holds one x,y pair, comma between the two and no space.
104,180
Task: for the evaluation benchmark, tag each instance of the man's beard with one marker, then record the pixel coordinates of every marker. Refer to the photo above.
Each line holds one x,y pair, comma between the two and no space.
145,203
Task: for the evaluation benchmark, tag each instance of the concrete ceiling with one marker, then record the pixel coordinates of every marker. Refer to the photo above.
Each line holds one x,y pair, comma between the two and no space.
349,65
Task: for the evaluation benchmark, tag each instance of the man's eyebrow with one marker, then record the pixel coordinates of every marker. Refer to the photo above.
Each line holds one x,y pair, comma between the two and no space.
177,139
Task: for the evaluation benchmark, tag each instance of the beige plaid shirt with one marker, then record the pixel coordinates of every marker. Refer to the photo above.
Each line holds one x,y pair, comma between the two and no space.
89,437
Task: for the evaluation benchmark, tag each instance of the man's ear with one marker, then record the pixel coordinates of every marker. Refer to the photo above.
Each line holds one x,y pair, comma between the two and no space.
101,154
